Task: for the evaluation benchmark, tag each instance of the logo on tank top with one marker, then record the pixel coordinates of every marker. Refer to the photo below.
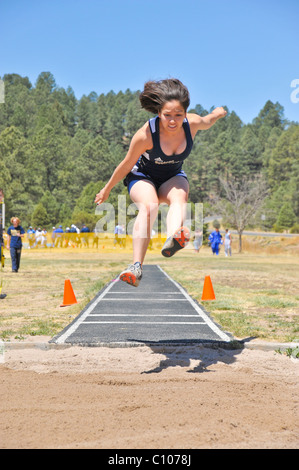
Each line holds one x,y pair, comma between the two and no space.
159,161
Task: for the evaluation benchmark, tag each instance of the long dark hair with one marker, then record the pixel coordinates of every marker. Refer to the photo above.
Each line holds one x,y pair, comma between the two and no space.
157,93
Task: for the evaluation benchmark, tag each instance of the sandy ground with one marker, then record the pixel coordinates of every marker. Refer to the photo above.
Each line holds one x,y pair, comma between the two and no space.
186,397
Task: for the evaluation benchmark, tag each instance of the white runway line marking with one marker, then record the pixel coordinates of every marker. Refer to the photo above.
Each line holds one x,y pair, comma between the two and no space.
139,315
141,293
205,317
81,318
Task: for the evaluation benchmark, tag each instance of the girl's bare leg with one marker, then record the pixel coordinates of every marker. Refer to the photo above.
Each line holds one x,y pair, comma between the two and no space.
174,192
144,195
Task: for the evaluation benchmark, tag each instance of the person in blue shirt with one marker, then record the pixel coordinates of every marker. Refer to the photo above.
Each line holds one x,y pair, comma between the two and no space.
85,238
15,233
215,240
59,236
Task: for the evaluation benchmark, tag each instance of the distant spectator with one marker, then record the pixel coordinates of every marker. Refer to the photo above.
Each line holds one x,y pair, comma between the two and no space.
31,236
59,236
44,238
227,243
95,242
53,235
85,237
15,233
197,240
118,231
215,240
67,237
75,235
41,237
38,237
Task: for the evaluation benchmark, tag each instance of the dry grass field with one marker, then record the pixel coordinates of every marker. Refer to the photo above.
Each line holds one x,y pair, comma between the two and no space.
256,292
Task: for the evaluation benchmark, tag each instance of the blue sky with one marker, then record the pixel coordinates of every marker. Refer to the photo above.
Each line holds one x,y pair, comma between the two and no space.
227,52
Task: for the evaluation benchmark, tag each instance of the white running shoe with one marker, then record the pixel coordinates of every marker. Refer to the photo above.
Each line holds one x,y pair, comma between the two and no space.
132,275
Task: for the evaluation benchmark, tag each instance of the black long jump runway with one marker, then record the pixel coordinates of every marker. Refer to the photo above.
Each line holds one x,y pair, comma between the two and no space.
158,311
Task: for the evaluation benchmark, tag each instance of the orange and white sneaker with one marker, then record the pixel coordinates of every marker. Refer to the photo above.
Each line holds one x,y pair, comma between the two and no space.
132,275
175,243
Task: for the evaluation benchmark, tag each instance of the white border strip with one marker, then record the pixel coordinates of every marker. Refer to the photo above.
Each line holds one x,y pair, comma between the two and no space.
146,322
109,299
205,317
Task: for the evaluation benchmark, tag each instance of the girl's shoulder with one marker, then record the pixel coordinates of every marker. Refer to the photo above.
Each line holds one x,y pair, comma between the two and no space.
195,122
194,118
144,134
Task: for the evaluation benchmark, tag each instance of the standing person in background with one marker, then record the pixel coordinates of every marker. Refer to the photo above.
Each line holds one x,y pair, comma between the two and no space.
2,257
227,243
31,236
153,171
118,231
44,238
15,233
85,237
59,237
1,224
53,235
197,243
215,240
38,237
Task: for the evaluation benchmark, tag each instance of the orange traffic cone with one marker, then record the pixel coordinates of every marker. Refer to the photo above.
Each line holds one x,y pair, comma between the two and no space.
68,296
208,291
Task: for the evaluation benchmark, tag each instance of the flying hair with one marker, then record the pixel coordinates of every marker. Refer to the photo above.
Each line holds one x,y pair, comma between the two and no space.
157,93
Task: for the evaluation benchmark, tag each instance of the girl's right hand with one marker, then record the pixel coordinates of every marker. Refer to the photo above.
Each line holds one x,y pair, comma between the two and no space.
101,196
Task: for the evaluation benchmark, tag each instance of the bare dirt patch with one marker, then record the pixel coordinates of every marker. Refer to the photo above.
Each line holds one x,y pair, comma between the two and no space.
140,398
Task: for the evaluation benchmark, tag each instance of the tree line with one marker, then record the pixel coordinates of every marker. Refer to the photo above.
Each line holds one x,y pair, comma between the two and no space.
57,151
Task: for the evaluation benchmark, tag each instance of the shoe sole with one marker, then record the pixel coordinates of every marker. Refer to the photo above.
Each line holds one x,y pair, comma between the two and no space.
179,240
129,278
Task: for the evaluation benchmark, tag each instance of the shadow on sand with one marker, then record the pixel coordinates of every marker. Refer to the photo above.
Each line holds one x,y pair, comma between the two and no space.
198,357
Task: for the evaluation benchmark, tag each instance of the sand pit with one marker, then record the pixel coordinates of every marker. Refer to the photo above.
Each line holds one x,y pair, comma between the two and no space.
185,397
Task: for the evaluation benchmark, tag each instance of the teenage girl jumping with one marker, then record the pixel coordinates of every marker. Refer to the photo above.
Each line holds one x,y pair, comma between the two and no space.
153,171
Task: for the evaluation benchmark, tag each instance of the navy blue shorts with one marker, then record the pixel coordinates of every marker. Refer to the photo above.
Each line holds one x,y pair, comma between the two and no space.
131,179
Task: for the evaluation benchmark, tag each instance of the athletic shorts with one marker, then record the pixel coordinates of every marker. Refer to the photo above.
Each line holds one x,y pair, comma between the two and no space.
132,178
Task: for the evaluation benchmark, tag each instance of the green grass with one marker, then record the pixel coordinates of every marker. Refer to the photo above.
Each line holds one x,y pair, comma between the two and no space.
251,294
256,294
273,302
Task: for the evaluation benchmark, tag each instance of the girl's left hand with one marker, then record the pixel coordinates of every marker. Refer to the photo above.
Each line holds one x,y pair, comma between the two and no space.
220,112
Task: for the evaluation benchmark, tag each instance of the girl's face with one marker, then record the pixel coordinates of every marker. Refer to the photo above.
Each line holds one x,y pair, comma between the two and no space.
172,116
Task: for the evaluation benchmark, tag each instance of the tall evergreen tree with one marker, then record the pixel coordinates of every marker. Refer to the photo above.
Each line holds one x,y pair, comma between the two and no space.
52,145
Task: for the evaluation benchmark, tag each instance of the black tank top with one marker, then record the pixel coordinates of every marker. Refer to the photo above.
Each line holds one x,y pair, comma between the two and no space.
155,163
